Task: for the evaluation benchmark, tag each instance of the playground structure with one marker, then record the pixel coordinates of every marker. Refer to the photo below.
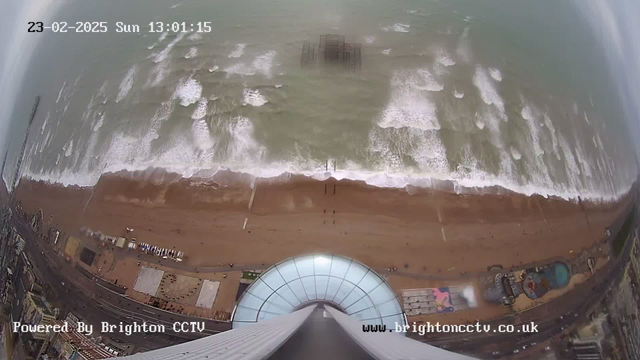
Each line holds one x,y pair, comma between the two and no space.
538,282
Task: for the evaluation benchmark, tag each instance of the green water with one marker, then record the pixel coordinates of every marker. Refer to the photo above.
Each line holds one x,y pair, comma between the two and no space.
539,111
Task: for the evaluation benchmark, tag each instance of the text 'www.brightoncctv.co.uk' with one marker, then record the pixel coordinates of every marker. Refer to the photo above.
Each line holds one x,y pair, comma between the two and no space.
428,327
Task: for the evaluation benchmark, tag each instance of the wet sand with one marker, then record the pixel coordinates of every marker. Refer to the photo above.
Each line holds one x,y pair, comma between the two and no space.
423,231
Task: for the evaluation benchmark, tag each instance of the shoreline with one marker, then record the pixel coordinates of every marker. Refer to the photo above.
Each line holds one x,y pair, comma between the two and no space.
490,184
419,231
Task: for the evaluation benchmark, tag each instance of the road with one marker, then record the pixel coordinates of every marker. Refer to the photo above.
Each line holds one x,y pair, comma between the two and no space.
552,318
96,303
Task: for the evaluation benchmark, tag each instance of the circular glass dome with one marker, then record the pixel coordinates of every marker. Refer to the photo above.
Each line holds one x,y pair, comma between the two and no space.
344,283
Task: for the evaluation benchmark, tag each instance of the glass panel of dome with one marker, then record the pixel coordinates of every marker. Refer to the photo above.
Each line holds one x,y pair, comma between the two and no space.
239,324
277,304
391,307
273,279
343,291
286,293
367,314
381,294
288,270
279,299
339,266
372,321
309,284
332,289
260,289
356,288
321,286
298,290
355,295
245,314
369,282
359,305
305,265
250,301
322,264
356,273
264,315
391,321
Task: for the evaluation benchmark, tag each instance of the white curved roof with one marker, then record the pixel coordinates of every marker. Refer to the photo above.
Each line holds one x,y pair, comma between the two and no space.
347,284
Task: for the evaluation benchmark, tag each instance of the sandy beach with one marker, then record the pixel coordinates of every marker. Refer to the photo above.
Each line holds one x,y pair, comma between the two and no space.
422,231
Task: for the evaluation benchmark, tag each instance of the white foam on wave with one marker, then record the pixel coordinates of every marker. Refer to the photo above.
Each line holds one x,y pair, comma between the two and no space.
369,39
586,118
386,51
241,69
253,97
60,92
463,49
238,51
262,64
99,122
159,57
158,73
583,161
193,151
495,74
195,36
160,39
397,27
202,135
445,32
389,147
488,91
44,123
46,141
102,92
246,155
530,116
188,91
123,152
409,106
426,81
242,145
68,148
201,109
571,166
457,94
126,83
193,52
554,139
443,58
